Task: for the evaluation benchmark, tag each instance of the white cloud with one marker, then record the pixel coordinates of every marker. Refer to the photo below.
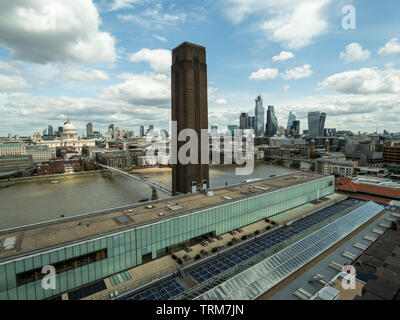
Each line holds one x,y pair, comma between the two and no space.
286,88
79,75
391,47
291,22
8,67
264,74
211,90
155,17
160,38
8,83
297,73
364,81
355,52
160,59
221,101
141,89
124,4
44,31
284,55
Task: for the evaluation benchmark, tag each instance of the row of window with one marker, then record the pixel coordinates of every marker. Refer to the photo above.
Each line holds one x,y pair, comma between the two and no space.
62,266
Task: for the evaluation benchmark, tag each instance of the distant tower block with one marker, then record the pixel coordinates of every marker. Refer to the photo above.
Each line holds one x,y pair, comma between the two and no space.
327,145
190,110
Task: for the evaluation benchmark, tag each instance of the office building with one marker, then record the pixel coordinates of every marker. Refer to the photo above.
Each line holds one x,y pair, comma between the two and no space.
272,122
190,111
214,131
50,130
141,131
244,119
251,123
259,117
232,128
316,124
89,129
291,119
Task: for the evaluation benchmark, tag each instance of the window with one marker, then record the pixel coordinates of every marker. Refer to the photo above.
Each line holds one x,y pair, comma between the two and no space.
62,266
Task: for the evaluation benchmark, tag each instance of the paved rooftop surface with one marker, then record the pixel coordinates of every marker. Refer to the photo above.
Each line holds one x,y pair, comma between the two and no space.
50,235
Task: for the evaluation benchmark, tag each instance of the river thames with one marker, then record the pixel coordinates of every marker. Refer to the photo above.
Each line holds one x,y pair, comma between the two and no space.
33,202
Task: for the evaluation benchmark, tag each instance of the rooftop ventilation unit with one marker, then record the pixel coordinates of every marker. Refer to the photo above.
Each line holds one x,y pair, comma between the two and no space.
123,220
149,207
261,188
204,184
9,243
174,208
161,214
194,186
210,194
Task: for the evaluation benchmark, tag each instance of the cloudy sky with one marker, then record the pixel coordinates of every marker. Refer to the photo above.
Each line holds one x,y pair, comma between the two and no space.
108,61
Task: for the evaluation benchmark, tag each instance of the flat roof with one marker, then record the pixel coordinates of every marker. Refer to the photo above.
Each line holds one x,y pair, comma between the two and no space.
42,236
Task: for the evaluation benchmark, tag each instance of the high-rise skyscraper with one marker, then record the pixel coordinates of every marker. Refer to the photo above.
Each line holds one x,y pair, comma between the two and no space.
316,124
251,123
259,117
89,129
50,130
244,120
272,122
214,131
232,128
296,127
141,131
190,111
291,118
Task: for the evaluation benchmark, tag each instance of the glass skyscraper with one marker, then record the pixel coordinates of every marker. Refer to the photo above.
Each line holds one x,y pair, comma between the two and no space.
272,122
291,118
259,117
316,124
244,119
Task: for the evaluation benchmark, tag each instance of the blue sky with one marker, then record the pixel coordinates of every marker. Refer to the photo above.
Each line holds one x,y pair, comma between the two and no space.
108,61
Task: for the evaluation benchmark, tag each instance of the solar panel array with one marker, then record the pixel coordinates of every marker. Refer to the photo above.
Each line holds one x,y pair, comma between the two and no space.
261,277
249,250
163,291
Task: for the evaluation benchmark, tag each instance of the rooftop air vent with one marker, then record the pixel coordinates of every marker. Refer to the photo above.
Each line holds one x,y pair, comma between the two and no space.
123,220
9,243
174,208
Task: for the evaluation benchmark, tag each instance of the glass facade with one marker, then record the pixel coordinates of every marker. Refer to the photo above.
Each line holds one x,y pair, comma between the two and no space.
259,117
125,249
316,124
272,122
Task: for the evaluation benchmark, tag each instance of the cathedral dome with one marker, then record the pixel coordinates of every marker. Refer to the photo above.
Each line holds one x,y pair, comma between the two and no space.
68,126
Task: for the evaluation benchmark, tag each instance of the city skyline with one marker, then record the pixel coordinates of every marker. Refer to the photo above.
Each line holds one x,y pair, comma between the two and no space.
327,69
